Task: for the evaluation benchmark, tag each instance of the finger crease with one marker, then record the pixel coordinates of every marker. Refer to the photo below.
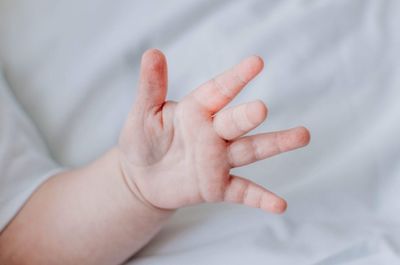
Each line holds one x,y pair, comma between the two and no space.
241,80
246,192
235,122
252,124
222,89
255,148
262,199
278,143
228,187
229,154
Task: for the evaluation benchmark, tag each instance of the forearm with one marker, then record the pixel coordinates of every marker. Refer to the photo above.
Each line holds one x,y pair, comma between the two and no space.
84,216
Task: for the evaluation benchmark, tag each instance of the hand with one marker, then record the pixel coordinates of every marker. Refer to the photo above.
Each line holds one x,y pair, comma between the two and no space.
179,154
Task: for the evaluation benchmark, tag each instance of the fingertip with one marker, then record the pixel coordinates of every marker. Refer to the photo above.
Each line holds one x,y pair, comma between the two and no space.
280,206
273,204
153,51
154,57
250,67
257,111
263,109
258,61
303,135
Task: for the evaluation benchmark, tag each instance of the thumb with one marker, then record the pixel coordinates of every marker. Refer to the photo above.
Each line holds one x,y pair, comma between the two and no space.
153,80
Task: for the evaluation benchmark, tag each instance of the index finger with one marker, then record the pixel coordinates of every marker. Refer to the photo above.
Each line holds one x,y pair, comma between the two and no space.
219,91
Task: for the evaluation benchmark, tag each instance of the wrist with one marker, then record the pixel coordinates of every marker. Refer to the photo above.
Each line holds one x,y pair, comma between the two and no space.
124,173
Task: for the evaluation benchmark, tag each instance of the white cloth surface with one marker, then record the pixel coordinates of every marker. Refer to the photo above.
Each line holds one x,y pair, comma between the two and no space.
24,160
331,65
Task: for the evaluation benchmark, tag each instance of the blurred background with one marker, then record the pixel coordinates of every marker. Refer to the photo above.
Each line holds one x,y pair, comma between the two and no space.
330,65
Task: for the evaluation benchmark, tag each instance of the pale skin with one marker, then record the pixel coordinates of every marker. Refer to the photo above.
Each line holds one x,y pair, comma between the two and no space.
170,155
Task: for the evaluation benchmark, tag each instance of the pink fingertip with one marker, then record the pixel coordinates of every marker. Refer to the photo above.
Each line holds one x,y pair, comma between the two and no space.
303,136
257,111
250,67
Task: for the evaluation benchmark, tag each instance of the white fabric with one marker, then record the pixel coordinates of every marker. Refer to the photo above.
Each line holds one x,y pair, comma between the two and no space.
332,65
24,160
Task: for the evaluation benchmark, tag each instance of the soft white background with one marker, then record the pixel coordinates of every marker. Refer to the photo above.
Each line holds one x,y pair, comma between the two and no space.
333,66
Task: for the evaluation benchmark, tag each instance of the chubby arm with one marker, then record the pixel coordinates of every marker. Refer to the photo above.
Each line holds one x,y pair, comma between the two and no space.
169,155
83,216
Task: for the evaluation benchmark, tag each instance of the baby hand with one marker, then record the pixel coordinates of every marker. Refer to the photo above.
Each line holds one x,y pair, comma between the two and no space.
175,154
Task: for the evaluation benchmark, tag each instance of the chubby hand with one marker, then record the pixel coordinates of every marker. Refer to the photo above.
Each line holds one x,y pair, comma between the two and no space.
175,154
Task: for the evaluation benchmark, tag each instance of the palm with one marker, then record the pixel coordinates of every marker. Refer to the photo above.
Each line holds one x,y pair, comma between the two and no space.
179,154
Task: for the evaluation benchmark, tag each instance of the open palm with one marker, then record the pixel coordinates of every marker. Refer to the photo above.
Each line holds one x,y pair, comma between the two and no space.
179,154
